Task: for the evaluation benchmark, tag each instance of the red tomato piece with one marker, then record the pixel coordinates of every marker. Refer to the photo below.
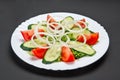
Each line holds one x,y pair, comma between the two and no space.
91,39
51,19
41,30
81,39
81,23
39,52
27,34
94,38
67,55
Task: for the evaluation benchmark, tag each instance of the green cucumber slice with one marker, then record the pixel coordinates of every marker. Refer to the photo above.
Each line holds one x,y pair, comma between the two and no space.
68,22
28,45
52,55
83,48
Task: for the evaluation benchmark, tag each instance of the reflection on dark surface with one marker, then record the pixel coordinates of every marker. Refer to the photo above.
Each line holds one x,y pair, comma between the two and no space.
66,73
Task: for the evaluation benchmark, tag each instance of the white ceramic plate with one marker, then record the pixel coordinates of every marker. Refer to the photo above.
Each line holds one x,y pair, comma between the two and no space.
101,47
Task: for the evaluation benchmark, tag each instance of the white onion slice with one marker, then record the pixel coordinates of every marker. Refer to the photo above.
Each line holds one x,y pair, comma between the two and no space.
36,33
41,39
58,30
84,38
56,33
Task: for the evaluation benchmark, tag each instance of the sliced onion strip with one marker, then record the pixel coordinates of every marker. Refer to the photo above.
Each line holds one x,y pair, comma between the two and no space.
41,39
56,33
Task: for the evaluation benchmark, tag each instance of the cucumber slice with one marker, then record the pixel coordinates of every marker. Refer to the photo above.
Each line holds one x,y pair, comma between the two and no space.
28,45
84,48
32,26
52,55
77,54
86,31
73,36
68,22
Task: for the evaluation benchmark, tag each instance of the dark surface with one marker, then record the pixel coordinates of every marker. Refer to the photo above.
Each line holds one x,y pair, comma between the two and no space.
13,12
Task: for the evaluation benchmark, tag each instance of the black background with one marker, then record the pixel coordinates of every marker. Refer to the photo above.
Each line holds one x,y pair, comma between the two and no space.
13,12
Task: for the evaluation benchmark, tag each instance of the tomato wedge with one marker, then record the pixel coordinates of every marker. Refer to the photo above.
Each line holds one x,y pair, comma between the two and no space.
94,38
91,39
51,19
27,34
67,55
81,23
39,52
